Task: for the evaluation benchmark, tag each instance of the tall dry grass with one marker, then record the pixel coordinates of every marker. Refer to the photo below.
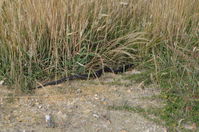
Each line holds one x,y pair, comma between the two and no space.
39,37
49,33
42,39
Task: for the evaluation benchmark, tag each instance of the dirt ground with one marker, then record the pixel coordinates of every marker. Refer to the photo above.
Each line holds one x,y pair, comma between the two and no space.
80,106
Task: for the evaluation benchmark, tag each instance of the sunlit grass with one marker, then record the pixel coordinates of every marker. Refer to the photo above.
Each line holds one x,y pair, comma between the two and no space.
41,39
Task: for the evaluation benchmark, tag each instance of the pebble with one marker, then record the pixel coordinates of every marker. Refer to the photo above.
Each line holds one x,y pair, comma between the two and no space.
40,106
96,97
96,116
1,82
79,91
49,121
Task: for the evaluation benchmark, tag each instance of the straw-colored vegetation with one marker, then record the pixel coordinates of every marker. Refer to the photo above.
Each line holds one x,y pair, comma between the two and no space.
42,39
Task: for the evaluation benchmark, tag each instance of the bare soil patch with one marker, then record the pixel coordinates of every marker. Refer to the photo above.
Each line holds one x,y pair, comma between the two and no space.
79,106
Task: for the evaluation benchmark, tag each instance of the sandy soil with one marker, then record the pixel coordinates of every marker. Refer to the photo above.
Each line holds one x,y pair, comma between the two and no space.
79,106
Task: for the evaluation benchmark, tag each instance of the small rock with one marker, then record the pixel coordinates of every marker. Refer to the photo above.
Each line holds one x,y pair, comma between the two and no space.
96,116
96,97
40,106
49,121
129,90
1,82
48,118
79,91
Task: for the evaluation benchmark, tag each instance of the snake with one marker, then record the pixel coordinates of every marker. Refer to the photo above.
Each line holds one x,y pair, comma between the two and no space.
95,74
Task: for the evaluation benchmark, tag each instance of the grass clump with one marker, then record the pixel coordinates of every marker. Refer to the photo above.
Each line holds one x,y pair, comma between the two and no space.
41,40
55,38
